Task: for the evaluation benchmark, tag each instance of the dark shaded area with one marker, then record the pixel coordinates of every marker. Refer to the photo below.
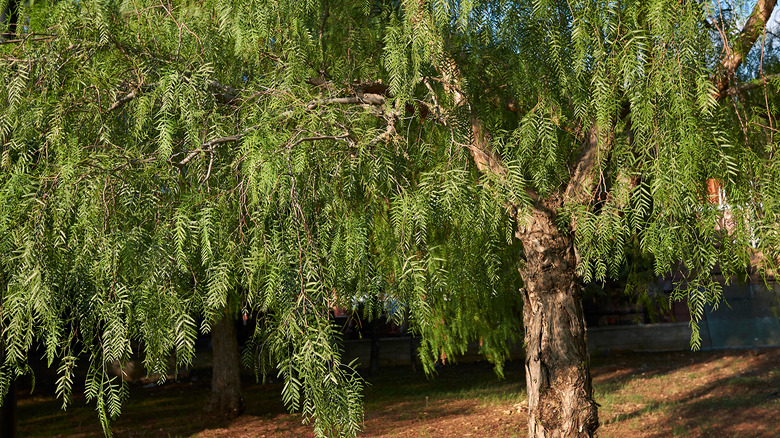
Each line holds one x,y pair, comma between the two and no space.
397,398
8,416
9,15
175,409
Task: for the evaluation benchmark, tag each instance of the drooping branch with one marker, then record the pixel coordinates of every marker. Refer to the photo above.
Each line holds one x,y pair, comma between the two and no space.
9,17
582,183
733,57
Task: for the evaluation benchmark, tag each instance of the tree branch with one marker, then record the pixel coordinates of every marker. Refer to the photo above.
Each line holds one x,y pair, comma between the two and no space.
365,99
209,145
391,118
580,185
342,137
486,159
224,93
23,40
747,37
123,100
755,83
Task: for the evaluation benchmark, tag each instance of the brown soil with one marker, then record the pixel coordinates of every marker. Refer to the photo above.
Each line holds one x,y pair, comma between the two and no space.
726,393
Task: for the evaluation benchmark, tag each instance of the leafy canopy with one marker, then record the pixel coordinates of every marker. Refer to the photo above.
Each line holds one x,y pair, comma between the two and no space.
166,164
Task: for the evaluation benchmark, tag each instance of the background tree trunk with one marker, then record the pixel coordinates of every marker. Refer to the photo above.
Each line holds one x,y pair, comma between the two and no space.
226,398
8,410
375,346
560,394
10,16
8,413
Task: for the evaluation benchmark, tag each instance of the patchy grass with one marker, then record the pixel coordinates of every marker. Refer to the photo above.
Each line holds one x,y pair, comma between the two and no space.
726,393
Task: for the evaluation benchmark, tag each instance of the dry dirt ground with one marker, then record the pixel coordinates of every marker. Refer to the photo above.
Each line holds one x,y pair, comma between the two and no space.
722,394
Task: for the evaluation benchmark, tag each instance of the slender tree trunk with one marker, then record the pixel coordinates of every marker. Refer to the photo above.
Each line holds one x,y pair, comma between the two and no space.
226,398
560,394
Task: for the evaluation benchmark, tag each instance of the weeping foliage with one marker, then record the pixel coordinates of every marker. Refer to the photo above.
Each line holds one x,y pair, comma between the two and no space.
543,73
165,165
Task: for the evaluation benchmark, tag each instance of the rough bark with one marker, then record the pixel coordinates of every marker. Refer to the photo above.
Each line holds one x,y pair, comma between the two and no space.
557,365
560,392
226,398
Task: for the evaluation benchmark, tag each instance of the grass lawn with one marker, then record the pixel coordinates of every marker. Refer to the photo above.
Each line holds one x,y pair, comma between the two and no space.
722,394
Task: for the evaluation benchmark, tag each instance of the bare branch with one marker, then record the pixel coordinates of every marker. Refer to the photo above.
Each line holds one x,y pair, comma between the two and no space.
746,86
224,93
209,145
486,159
123,100
365,99
23,40
391,118
343,137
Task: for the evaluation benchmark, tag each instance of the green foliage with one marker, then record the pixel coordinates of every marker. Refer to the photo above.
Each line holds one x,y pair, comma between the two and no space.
142,198
641,72
163,165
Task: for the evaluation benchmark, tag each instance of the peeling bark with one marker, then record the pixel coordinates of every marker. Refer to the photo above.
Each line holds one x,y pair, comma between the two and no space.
557,365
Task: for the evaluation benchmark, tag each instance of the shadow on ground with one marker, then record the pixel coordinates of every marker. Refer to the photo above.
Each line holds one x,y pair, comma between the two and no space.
726,393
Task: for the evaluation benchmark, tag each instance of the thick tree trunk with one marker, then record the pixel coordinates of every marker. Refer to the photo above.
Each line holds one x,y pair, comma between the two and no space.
226,398
560,395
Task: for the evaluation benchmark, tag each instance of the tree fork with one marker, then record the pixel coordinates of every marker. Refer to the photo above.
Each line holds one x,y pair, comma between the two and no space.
557,366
